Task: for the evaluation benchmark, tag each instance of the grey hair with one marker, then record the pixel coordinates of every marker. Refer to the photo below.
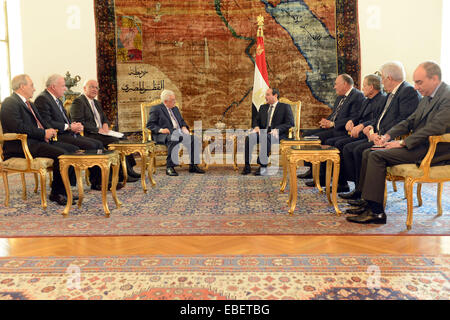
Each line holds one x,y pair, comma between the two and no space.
86,81
52,80
394,69
166,94
19,80
347,78
374,81
432,69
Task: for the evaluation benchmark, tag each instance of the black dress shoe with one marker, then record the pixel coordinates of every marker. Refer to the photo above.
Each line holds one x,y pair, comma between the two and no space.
261,171
312,184
368,217
98,187
358,203
247,170
306,175
193,168
134,174
170,171
354,195
59,199
133,179
356,211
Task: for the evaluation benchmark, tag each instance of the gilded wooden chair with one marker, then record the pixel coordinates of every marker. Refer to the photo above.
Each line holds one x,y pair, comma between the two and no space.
28,164
296,106
425,173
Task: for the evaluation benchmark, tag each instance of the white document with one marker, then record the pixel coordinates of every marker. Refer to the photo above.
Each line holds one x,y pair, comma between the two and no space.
113,133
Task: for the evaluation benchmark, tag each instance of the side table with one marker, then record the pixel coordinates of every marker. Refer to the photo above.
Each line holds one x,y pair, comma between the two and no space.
314,154
147,152
285,145
84,160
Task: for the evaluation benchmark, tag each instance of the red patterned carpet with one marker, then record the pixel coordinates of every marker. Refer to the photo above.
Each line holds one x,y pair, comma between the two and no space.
220,202
255,277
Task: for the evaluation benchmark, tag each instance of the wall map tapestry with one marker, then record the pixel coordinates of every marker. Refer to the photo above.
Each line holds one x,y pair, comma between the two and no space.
204,51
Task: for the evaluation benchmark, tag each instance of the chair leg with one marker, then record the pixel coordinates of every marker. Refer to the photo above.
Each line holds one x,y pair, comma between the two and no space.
36,183
419,194
385,194
439,198
50,175
409,186
86,175
24,186
394,186
5,183
43,190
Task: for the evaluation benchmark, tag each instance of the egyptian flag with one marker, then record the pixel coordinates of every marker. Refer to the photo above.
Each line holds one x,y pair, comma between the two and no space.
260,81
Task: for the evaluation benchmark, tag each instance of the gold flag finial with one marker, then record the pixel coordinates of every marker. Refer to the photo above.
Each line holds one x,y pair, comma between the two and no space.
260,26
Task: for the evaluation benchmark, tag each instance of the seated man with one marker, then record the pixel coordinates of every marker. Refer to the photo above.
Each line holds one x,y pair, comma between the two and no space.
274,119
169,128
401,102
88,111
52,111
431,118
19,115
346,107
369,107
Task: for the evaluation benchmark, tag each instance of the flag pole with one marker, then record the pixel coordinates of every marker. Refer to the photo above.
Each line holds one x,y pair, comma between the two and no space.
261,79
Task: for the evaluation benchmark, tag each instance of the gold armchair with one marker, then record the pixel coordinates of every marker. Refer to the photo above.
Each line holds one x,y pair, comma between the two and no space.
411,174
296,106
160,149
24,165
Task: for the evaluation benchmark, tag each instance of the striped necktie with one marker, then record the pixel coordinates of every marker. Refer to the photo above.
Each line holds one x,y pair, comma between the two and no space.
40,126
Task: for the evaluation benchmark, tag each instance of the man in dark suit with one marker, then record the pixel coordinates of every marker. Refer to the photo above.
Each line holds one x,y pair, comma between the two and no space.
88,111
19,115
273,122
369,107
52,111
400,103
432,117
169,128
346,107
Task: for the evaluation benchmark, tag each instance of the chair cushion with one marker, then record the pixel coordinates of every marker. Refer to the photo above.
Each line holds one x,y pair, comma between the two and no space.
411,170
21,163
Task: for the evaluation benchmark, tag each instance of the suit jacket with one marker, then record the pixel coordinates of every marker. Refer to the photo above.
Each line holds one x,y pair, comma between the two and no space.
431,118
349,109
50,112
403,104
81,111
282,119
159,118
369,108
17,118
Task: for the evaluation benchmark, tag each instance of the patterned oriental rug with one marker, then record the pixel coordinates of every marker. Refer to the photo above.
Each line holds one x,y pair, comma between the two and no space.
305,277
220,202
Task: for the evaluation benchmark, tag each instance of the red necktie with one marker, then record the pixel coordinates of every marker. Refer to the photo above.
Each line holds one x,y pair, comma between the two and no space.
31,109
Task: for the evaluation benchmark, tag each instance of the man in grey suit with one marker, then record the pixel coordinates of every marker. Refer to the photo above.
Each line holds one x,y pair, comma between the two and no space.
432,117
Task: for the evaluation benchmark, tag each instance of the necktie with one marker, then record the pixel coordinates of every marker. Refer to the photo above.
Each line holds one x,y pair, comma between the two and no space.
96,115
40,126
59,103
338,108
269,119
388,102
174,120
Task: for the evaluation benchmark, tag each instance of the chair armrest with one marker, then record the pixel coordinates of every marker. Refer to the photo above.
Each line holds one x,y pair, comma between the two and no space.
426,161
23,139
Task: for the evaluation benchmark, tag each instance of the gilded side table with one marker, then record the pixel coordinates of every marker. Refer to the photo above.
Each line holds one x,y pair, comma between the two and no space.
84,160
314,154
227,138
147,152
285,145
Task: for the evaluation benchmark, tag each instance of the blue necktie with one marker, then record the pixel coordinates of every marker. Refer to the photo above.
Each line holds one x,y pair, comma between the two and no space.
59,103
